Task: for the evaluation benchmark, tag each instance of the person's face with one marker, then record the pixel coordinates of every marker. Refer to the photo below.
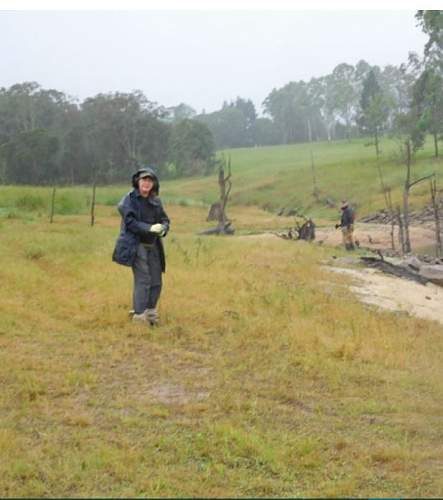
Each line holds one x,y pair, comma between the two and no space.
145,185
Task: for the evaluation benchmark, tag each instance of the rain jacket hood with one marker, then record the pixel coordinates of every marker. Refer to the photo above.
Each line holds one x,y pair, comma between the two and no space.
144,172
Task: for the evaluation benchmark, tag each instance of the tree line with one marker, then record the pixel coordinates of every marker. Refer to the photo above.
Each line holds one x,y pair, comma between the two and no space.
47,136
352,101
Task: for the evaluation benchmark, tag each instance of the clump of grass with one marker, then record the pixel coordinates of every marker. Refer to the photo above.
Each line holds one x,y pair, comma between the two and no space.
68,205
9,213
34,252
31,202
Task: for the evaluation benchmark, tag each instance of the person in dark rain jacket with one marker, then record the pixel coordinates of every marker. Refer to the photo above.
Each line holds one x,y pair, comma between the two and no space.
139,245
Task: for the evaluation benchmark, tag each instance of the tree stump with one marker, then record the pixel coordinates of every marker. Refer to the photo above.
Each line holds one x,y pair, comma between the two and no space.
218,210
306,231
215,212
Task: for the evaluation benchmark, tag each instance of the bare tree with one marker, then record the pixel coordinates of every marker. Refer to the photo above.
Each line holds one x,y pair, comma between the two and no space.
94,186
225,185
51,216
218,210
401,233
388,201
392,217
407,188
435,204
315,190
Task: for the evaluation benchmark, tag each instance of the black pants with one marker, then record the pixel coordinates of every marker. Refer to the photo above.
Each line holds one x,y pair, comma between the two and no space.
147,278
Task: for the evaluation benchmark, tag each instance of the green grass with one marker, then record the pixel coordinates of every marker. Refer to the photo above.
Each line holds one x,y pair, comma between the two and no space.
20,201
265,378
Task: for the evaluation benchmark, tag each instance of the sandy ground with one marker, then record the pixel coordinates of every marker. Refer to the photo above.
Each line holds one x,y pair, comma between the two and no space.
376,236
395,294
373,236
376,288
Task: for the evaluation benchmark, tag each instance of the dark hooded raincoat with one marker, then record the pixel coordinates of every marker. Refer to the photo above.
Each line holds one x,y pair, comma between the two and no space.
133,229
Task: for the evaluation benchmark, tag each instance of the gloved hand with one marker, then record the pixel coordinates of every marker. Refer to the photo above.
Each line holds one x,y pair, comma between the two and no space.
337,226
157,229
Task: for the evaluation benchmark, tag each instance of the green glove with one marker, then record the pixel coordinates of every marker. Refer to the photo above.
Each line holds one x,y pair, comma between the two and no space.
157,229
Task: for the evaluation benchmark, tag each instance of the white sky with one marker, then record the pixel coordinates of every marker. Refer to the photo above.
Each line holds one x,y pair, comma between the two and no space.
199,57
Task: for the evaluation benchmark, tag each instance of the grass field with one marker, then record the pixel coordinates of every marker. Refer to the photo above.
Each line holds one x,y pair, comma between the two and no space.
265,378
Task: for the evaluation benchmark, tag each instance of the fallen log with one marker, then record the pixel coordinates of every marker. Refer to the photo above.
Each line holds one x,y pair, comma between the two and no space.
226,229
399,271
434,273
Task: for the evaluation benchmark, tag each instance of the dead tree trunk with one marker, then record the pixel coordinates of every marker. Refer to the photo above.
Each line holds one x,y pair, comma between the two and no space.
306,231
51,217
93,202
376,141
225,186
315,190
400,271
407,188
214,212
218,210
407,241
401,235
388,201
392,217
435,203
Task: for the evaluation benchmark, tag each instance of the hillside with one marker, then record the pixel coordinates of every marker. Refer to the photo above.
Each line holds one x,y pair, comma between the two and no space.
279,176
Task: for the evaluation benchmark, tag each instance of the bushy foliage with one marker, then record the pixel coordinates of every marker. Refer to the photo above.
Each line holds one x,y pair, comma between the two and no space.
192,148
47,137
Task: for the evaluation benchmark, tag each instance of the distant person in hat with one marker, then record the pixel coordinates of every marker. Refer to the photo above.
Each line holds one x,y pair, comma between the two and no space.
347,225
139,245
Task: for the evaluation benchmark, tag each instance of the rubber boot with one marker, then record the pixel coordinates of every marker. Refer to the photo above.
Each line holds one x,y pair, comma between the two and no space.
140,318
152,316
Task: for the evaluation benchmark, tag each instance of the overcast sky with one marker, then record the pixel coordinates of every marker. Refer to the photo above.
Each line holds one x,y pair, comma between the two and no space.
200,58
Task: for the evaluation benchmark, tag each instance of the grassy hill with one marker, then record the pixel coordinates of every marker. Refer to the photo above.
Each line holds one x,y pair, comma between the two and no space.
279,176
